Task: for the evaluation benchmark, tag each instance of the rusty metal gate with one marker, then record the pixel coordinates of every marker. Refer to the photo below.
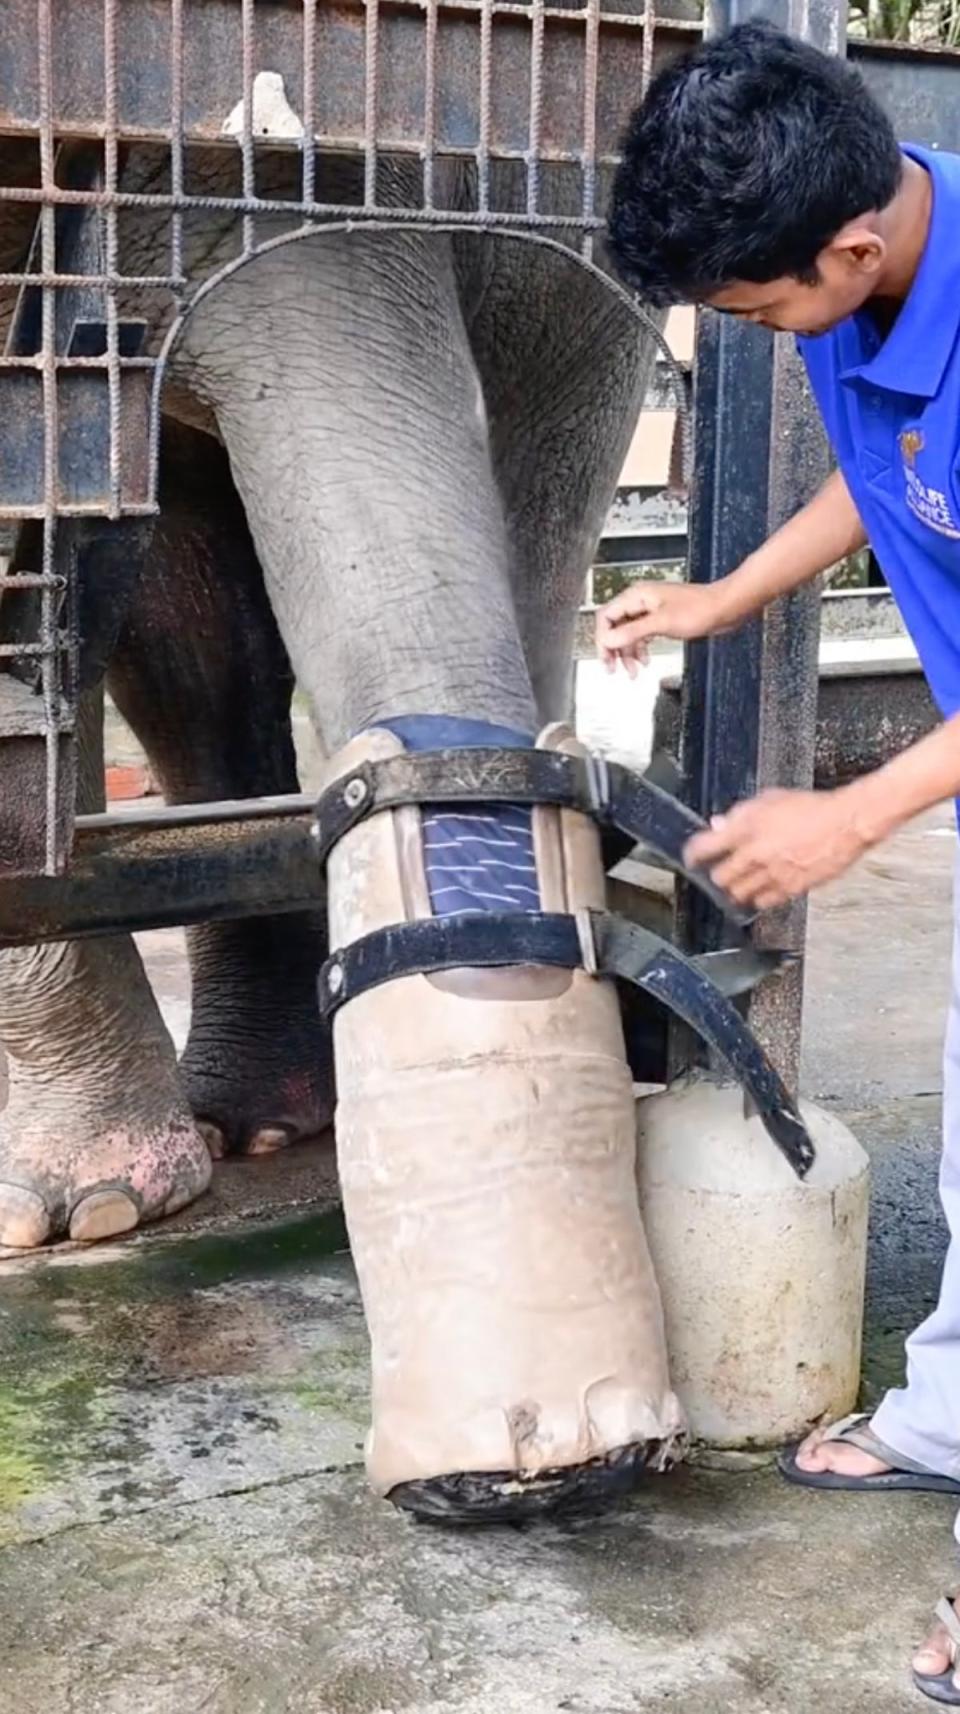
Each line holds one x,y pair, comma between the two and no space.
517,91
502,99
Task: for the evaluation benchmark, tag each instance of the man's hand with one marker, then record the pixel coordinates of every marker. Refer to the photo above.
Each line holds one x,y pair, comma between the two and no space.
780,845
818,536
628,623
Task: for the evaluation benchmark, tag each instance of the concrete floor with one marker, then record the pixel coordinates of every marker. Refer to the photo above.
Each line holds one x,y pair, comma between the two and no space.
184,1525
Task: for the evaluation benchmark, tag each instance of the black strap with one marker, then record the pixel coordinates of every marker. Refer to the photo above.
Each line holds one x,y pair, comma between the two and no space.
698,990
484,941
615,796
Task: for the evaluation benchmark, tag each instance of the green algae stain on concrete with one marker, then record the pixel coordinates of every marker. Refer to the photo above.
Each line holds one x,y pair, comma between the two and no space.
141,1375
49,1399
246,1254
160,1267
32,1446
21,1469
332,1386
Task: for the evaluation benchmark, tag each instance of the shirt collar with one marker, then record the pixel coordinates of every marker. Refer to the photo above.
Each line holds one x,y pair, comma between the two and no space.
914,356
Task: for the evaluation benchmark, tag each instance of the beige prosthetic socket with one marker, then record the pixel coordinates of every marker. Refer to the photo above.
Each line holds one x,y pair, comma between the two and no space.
486,1140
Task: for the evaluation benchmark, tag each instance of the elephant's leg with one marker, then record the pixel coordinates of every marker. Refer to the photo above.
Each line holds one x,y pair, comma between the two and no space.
485,1120
201,675
96,1135
563,365
357,434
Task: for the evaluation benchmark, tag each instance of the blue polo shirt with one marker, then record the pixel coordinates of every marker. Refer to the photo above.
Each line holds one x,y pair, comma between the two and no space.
891,408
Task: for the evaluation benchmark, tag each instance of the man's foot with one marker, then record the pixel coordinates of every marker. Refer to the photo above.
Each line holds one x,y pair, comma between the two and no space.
850,1456
935,1665
818,1456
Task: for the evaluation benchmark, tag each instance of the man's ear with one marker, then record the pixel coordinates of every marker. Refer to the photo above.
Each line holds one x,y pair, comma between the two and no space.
860,249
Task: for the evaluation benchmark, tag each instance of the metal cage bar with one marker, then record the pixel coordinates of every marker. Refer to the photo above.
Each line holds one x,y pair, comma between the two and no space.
309,179
749,700
588,160
539,89
47,648
535,144
484,82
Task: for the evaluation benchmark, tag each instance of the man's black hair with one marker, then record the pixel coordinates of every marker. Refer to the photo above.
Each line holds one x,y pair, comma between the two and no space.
743,162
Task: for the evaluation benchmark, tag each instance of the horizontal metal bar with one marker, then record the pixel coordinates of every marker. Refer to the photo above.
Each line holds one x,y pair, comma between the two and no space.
151,817
90,282
170,868
869,48
75,509
39,362
183,200
32,651
30,580
213,63
325,211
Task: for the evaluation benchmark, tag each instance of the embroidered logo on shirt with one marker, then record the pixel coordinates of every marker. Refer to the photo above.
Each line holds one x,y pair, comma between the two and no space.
928,504
911,442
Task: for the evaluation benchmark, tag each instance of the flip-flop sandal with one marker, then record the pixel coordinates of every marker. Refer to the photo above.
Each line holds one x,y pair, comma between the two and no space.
905,1476
940,1686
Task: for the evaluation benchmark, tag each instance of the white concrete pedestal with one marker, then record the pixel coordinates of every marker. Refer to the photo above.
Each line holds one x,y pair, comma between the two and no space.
762,1276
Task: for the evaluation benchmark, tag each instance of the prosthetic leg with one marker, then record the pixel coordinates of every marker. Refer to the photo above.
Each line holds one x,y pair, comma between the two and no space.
486,1128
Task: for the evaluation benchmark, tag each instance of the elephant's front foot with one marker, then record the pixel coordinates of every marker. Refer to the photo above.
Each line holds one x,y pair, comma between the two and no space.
70,1170
486,1141
257,1067
96,1137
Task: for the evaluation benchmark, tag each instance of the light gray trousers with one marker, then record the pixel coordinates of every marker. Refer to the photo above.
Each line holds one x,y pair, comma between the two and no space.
922,1419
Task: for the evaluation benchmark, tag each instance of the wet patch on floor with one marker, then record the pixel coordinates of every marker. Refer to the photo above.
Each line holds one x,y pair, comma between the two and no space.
165,1373
313,1598
185,1528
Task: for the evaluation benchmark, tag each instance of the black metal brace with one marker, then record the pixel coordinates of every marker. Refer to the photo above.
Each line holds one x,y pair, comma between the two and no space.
697,989
700,990
614,796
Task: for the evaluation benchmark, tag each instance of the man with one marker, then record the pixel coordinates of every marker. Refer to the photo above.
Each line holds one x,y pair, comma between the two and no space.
762,179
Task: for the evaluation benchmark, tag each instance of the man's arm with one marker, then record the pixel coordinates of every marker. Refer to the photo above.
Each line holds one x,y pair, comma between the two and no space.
926,774
826,530
821,533
781,845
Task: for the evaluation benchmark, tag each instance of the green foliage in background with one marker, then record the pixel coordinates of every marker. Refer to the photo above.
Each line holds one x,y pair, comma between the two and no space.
931,23
926,21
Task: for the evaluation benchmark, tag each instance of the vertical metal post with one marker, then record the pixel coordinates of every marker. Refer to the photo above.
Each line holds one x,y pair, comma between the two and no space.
749,700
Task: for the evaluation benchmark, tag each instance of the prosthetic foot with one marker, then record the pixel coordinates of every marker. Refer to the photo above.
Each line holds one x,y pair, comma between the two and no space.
486,1139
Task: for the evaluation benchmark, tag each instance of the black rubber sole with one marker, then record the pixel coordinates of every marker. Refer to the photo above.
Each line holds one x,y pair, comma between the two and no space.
506,1497
939,1689
895,1481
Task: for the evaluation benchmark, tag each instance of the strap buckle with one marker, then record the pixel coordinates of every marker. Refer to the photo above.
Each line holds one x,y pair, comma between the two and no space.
598,786
588,944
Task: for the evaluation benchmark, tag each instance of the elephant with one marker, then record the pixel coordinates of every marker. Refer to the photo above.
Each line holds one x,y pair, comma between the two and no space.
386,458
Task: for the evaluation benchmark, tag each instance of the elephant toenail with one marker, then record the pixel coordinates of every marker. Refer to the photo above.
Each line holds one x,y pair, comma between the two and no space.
24,1221
213,1137
103,1214
268,1140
